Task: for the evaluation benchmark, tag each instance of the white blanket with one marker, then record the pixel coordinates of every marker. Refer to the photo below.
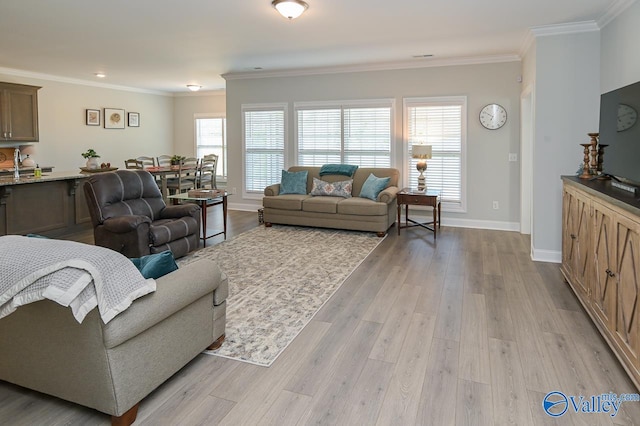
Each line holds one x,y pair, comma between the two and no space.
72,274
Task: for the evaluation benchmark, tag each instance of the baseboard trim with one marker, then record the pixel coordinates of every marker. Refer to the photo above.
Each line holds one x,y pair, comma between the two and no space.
551,256
244,207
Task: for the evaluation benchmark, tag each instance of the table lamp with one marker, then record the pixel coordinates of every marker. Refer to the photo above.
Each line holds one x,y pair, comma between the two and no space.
422,152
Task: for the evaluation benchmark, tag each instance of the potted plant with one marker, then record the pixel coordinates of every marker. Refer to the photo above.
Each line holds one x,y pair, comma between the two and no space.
176,160
92,159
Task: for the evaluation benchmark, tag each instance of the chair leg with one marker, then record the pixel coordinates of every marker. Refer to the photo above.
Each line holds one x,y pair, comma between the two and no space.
127,418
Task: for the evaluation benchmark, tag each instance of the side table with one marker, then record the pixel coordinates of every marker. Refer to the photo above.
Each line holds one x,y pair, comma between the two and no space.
204,202
429,198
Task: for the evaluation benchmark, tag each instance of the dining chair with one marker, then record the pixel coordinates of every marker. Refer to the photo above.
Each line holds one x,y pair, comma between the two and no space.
207,172
147,161
133,163
185,176
163,160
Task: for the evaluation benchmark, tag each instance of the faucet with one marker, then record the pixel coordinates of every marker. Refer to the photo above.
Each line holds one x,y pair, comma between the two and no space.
16,163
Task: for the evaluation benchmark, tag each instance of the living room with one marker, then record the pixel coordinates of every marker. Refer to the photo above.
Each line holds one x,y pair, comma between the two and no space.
550,85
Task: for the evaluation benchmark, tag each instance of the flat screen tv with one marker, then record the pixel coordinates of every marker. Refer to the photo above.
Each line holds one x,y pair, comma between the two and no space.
620,129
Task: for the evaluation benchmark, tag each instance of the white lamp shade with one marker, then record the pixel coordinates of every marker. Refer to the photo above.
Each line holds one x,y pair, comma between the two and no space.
421,151
290,9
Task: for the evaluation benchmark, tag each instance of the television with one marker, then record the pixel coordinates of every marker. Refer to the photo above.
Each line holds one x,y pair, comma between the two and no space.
620,130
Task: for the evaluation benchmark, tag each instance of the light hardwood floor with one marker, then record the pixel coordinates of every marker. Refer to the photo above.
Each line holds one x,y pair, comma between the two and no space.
465,331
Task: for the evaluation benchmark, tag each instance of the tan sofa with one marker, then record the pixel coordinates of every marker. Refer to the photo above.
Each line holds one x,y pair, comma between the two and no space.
355,213
112,367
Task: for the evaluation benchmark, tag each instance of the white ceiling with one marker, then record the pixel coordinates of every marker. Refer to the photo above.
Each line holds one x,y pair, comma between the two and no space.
162,45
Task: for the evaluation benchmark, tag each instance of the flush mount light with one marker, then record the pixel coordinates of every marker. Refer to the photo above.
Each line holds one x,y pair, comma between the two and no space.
422,56
194,87
100,75
290,9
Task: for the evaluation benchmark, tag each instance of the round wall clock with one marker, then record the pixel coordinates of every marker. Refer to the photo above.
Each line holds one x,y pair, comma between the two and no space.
627,117
493,116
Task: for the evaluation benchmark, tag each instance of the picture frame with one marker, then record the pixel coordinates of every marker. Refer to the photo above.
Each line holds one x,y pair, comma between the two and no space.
133,119
92,117
114,118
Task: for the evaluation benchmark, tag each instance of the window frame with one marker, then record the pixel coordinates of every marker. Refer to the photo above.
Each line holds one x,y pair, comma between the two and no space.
225,146
407,102
342,105
276,106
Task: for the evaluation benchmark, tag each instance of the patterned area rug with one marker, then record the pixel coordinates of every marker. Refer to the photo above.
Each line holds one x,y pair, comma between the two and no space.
279,278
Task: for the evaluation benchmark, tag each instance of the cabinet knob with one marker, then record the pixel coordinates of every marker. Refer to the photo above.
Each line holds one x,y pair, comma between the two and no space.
573,236
610,273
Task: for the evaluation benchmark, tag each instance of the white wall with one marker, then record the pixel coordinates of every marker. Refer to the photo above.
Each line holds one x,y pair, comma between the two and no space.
490,175
620,61
185,108
567,99
64,135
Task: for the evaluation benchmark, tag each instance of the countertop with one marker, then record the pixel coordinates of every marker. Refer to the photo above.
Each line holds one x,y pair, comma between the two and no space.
618,197
46,177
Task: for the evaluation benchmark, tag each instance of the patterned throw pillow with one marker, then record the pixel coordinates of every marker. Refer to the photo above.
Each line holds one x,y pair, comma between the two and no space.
332,189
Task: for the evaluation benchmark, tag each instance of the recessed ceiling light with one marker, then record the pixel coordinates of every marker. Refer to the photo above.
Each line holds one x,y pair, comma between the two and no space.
257,68
194,87
422,56
100,75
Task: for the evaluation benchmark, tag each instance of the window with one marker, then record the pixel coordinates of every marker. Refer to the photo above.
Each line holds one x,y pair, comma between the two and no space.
264,144
439,122
211,138
356,133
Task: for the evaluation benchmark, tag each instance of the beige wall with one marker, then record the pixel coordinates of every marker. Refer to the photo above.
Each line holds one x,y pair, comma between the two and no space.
490,176
185,109
64,135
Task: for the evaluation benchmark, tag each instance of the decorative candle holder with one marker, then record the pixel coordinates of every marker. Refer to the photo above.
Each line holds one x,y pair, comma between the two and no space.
594,151
585,168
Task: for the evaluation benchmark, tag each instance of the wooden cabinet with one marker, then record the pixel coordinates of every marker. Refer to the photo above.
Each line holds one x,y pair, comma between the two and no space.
18,112
601,262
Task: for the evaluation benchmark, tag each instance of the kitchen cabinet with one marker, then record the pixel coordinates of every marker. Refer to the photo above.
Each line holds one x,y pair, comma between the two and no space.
18,112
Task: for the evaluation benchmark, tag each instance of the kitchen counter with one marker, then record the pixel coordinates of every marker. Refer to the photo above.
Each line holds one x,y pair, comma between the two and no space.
8,171
26,176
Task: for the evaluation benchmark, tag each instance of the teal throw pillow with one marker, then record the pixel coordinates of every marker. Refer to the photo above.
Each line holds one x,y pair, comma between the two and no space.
155,265
293,182
373,186
332,189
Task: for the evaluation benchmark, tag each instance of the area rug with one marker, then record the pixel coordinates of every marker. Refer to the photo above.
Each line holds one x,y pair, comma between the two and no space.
279,277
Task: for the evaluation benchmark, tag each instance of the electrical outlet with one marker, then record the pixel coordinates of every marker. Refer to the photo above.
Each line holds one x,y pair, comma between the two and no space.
496,205
513,157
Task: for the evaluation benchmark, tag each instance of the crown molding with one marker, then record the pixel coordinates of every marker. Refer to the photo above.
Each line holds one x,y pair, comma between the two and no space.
526,43
568,28
59,79
616,9
216,92
385,66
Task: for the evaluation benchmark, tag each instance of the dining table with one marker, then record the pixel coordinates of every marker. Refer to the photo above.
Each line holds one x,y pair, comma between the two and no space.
164,172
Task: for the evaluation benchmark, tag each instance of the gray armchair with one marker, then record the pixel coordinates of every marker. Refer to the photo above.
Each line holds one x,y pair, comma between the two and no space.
130,216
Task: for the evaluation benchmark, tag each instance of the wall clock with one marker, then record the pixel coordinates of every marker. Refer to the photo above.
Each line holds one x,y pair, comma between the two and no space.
627,117
493,116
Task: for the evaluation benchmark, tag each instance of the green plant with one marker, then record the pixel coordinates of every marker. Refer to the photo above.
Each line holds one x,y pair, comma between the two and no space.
178,158
90,154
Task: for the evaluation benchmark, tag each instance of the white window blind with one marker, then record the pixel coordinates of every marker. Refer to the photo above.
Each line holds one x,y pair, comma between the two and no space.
359,135
439,123
264,140
211,138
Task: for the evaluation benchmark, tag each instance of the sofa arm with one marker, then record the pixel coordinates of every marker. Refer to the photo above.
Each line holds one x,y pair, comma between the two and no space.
174,292
181,210
124,224
272,189
388,194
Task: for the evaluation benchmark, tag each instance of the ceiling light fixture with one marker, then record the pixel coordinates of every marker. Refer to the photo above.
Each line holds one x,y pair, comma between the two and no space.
194,87
100,75
290,9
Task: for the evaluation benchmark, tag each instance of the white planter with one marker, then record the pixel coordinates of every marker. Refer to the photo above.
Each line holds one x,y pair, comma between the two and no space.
92,163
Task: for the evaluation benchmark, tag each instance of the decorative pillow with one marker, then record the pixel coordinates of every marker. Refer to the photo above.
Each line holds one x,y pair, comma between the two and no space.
293,182
373,186
155,265
332,189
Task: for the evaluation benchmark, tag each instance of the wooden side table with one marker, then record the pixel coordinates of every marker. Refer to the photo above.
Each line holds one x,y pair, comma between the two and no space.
428,198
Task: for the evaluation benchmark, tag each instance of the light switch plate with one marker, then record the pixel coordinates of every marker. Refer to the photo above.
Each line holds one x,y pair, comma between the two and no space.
513,157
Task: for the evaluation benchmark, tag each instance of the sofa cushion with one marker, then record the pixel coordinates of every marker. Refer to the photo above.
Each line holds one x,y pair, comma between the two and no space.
373,186
293,182
321,204
362,207
332,189
155,265
164,231
285,202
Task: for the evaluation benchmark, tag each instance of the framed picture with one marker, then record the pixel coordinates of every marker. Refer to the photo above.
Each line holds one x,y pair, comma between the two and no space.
134,119
93,117
113,118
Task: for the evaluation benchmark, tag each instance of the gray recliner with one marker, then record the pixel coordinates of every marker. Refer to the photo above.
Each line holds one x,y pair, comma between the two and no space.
130,216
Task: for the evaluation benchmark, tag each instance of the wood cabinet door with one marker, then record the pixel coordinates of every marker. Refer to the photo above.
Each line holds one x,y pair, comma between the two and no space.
19,112
603,283
627,323
576,244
